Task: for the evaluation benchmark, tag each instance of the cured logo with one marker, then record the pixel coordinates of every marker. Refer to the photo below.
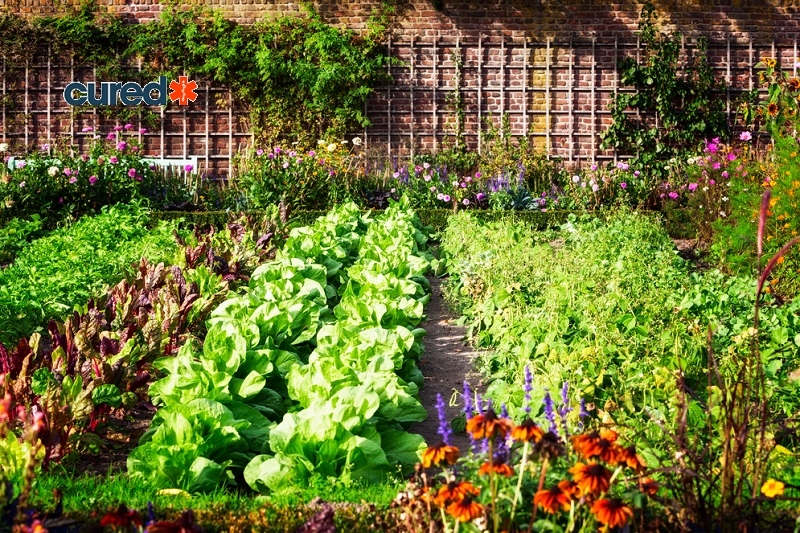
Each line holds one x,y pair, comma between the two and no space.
131,93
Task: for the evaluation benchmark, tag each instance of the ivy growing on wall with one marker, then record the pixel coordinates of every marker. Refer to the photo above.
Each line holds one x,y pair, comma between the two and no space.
298,78
679,106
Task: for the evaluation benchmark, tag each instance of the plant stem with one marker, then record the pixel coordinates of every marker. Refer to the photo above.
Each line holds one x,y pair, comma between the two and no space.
541,484
519,479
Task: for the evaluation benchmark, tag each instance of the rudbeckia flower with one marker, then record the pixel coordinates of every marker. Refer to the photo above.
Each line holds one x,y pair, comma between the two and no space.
436,455
592,478
527,431
454,491
488,425
551,499
498,467
629,457
612,512
465,510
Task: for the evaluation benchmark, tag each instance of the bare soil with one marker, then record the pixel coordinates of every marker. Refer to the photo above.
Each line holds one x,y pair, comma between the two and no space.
446,364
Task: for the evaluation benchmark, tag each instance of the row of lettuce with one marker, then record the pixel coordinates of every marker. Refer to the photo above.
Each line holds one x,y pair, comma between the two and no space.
312,370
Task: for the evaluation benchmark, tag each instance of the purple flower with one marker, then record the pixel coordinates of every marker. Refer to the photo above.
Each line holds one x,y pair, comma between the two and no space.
113,159
86,128
45,147
528,387
396,175
583,413
725,174
92,180
111,136
467,399
292,154
463,185
731,157
142,131
623,185
549,412
465,201
478,175
188,168
692,187
673,195
61,200
480,196
444,426
259,152
622,165
636,173
128,127
446,198
117,128
745,136
131,172
122,145
593,167
565,408
271,155
712,148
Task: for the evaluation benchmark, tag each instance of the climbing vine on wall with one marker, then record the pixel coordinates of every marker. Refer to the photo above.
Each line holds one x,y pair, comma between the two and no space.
298,78
683,104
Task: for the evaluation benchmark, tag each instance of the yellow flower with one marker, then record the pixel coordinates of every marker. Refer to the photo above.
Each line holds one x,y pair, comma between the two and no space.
772,488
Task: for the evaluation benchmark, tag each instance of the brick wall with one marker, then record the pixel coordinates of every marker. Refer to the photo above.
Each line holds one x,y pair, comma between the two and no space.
549,65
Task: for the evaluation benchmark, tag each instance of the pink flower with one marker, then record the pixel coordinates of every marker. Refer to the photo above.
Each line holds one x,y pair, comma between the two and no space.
84,158
713,182
673,195
286,164
128,127
188,168
593,167
463,185
745,136
111,136
312,153
122,145
131,172
465,201
86,128
636,173
134,148
692,187
259,152
446,198
731,157
480,196
142,131
117,128
92,180
712,148
426,177
73,179
396,175
623,185
478,175
724,173
717,165
67,171
113,160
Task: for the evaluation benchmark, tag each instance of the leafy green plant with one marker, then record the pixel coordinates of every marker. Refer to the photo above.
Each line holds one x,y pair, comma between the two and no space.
16,234
66,268
680,107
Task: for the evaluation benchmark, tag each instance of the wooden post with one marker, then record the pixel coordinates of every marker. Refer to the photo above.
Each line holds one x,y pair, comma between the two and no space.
27,108
547,99
525,87
594,100
49,103
480,92
435,83
71,109
571,77
412,82
389,101
5,126
230,133
502,84
616,79
751,63
208,127
728,76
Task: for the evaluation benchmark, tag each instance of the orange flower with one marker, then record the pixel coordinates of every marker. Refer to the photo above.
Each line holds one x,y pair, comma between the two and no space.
498,467
772,488
648,486
436,455
592,478
465,510
527,431
794,84
570,488
488,425
551,499
772,109
454,491
600,445
612,512
631,458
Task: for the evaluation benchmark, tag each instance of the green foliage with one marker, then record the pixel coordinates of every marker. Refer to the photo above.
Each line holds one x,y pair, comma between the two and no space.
680,106
777,111
299,78
602,303
284,387
16,234
66,268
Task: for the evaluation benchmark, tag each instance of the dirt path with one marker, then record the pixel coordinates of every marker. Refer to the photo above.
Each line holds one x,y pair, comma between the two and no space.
446,364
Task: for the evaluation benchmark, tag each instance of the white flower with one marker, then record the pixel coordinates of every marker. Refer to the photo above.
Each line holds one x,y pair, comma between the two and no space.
344,141
332,147
705,188
455,183
583,184
576,179
722,214
356,141
320,142
724,198
52,171
3,147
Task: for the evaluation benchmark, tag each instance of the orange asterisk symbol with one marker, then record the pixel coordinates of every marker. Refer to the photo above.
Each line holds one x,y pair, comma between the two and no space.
183,90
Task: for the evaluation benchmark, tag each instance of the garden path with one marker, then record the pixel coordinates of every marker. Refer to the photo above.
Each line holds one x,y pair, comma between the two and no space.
446,364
